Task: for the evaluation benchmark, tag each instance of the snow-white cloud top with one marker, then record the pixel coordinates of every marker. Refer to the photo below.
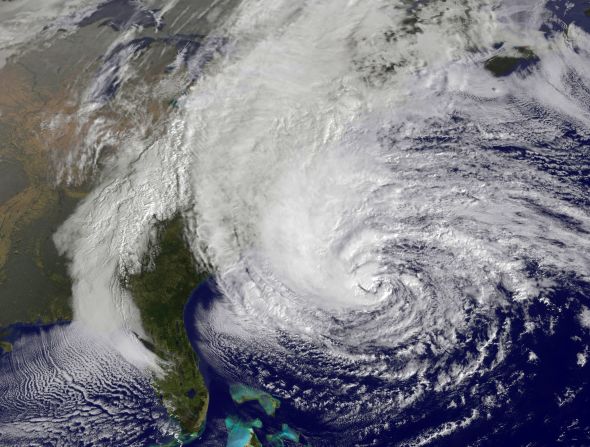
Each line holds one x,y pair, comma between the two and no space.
357,184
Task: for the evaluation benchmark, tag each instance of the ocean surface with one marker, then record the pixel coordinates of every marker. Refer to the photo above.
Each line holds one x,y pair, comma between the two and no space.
392,196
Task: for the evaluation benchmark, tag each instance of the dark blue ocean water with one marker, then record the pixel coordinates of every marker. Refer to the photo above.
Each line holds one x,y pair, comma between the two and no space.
549,406
221,404
546,400
60,387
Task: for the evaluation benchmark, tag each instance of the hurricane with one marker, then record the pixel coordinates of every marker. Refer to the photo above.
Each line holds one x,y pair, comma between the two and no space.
391,226
392,198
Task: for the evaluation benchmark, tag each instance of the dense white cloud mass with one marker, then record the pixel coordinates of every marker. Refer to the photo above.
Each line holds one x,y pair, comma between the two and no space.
359,189
371,198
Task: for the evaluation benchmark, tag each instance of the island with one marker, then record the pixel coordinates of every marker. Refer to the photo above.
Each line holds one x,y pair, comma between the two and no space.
504,65
242,393
241,433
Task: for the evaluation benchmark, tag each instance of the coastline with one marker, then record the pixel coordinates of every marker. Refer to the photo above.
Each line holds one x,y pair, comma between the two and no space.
160,293
11,333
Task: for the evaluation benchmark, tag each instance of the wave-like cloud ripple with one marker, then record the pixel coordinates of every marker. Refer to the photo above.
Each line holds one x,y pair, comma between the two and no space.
389,221
400,239
64,386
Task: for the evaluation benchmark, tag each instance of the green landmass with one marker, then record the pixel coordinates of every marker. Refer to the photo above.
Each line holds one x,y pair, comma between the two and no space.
242,393
160,292
501,66
5,347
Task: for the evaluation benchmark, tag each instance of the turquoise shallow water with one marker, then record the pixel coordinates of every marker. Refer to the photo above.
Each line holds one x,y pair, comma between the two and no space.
237,410
474,239
242,393
239,433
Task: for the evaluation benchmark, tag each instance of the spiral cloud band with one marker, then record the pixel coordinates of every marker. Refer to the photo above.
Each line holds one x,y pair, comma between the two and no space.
380,209
392,228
